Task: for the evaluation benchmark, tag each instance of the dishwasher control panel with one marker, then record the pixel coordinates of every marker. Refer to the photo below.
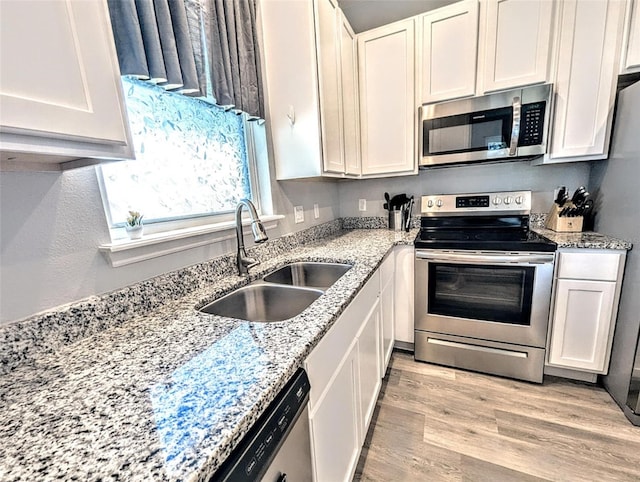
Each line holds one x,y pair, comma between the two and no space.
257,449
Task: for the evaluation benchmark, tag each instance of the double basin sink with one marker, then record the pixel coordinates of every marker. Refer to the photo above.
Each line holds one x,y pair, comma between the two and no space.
280,295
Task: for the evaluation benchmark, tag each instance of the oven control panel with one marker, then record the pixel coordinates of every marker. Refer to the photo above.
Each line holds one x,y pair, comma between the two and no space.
511,202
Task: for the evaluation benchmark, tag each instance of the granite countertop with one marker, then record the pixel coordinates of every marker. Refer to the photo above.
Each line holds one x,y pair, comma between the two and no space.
587,239
167,394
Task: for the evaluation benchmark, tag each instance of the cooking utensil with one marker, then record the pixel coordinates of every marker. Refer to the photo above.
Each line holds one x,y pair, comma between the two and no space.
398,201
409,209
386,198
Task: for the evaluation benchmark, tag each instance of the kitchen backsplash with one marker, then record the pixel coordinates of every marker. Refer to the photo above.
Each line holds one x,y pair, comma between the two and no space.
23,340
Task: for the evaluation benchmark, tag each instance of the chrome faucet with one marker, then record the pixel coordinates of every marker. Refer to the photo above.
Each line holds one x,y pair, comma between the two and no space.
243,261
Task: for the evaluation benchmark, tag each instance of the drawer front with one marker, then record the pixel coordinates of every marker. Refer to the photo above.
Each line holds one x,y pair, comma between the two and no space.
589,266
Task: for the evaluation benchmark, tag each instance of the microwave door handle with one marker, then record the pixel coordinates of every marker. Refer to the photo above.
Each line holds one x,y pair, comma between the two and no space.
515,127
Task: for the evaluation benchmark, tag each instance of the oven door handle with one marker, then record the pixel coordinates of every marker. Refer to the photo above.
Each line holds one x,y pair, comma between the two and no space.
486,259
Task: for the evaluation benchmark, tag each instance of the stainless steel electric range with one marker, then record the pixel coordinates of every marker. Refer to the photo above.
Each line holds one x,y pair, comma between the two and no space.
482,284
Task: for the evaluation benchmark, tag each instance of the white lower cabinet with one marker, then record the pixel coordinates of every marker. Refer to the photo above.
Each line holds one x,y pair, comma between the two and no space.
387,308
369,360
582,319
344,372
403,296
334,423
586,294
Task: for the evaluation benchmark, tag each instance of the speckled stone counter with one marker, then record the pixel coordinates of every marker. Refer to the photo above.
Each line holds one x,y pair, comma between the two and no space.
588,240
164,392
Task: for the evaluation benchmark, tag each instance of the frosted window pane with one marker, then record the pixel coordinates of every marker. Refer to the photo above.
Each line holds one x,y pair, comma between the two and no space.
191,158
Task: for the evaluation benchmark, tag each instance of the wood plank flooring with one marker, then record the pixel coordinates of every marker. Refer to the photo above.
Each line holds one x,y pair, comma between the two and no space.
435,423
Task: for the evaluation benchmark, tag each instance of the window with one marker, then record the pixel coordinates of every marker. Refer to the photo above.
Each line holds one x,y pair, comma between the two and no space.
192,161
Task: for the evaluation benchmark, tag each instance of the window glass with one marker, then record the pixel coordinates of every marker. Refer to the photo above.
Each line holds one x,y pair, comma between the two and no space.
191,158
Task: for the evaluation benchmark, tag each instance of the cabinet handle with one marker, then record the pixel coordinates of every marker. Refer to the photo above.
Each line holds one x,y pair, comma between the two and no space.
291,115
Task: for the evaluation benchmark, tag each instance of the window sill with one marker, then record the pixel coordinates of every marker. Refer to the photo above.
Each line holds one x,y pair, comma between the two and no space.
124,252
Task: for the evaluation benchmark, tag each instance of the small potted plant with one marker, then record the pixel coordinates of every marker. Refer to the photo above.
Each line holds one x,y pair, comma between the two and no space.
134,225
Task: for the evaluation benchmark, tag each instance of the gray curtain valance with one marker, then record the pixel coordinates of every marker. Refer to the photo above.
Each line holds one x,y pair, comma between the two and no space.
174,42
234,59
157,40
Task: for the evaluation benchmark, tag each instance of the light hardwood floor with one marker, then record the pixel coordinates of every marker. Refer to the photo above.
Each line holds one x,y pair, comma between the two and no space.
435,423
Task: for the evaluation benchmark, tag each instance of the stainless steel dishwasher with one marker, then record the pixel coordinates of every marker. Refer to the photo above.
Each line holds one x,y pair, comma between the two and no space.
277,448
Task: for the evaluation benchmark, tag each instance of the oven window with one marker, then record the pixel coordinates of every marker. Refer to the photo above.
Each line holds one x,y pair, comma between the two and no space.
481,131
500,294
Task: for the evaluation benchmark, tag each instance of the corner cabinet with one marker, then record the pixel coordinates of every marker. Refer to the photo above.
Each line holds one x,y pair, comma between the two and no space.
448,40
388,110
586,74
310,87
517,43
60,92
586,294
344,371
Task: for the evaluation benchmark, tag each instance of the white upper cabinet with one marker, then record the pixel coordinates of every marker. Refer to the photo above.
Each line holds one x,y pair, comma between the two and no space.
310,91
60,91
447,63
517,43
328,49
350,114
587,68
388,108
631,45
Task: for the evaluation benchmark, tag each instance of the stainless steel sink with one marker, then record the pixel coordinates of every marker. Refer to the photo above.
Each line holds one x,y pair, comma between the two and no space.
263,302
308,274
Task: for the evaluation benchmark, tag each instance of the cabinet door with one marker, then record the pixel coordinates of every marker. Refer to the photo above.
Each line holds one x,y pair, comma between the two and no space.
581,324
350,117
59,80
334,423
403,296
449,50
291,84
387,99
369,360
387,311
518,40
631,46
327,39
587,69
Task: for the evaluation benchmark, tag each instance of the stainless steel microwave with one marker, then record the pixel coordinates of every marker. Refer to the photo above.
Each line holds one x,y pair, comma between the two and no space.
497,126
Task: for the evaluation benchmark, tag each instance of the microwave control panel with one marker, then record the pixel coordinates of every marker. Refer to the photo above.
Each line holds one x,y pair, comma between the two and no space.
532,124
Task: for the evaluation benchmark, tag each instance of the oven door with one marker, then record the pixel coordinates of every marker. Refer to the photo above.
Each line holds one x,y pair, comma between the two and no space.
495,296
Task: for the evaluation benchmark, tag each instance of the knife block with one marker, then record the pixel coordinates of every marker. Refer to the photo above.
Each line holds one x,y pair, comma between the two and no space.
563,224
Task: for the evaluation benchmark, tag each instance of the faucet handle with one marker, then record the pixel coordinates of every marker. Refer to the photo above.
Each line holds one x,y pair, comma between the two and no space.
251,262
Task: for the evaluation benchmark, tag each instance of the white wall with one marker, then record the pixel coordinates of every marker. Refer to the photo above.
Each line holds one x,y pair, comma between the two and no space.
542,180
51,225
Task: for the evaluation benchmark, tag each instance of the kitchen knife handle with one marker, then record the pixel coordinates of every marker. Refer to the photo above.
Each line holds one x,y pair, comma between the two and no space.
515,127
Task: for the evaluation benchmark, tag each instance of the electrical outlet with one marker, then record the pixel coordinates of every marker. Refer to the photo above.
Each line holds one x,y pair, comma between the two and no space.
362,204
316,211
298,214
